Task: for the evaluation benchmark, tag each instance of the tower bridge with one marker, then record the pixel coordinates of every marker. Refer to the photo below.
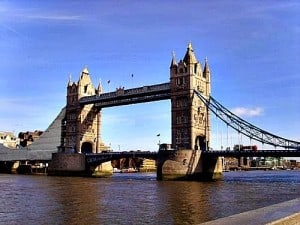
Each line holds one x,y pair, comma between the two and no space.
190,157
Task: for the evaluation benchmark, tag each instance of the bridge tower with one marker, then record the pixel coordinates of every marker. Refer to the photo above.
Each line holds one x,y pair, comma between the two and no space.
81,130
190,117
190,122
80,133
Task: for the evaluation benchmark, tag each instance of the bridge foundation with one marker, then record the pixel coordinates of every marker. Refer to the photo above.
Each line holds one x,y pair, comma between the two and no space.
74,164
188,165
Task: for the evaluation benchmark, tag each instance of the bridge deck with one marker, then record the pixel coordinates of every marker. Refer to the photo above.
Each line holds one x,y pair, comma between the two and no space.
94,158
103,157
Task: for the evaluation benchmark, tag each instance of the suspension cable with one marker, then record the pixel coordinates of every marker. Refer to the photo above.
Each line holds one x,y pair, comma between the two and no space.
245,127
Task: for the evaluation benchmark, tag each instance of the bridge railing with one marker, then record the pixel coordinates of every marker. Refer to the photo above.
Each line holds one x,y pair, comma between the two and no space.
96,158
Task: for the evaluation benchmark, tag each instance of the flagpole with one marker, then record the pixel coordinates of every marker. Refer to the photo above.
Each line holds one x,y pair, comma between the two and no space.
158,135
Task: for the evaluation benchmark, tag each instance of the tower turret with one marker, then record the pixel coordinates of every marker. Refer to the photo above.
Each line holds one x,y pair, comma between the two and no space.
206,71
190,55
99,89
70,80
85,85
173,66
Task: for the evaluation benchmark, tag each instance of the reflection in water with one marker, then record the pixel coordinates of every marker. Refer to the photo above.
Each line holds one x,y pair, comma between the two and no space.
139,198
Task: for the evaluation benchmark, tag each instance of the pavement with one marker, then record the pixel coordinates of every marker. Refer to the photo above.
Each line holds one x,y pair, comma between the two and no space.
285,213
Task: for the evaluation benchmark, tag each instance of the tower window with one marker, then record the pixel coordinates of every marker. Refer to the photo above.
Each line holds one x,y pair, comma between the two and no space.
180,81
85,89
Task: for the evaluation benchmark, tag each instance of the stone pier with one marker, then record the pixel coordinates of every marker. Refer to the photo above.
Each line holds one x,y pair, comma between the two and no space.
74,164
187,165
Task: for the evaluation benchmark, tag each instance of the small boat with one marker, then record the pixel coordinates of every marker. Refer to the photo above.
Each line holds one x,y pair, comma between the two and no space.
129,170
116,170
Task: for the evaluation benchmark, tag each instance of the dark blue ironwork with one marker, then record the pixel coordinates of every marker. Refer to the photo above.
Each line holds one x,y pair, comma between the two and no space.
250,153
245,127
97,158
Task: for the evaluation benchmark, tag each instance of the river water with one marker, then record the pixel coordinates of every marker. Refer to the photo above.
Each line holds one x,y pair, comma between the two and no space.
138,198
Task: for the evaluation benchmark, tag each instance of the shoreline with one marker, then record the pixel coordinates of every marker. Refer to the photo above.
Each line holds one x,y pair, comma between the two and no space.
284,213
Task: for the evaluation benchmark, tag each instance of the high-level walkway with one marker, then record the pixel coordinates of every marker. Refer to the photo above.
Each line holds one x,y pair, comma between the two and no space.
129,96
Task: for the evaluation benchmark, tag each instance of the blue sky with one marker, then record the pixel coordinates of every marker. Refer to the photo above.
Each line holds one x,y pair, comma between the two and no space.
253,49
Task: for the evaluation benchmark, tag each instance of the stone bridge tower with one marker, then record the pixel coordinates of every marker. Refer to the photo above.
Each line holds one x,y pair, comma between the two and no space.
81,126
190,117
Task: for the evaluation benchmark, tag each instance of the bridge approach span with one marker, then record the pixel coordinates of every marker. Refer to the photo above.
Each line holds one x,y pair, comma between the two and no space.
244,127
250,153
26,155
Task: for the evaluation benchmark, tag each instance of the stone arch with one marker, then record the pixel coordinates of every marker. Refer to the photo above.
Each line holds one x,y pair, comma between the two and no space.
200,143
87,147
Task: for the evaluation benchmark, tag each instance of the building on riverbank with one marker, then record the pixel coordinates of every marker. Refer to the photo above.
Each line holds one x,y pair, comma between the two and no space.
9,140
231,163
28,137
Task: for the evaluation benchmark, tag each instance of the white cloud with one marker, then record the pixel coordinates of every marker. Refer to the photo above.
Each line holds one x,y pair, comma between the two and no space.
54,16
19,13
247,112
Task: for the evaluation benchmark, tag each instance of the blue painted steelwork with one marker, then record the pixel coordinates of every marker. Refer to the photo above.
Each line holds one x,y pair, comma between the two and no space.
244,127
97,158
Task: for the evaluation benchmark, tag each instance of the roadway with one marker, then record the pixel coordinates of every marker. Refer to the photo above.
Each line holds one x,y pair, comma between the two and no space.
96,158
93,158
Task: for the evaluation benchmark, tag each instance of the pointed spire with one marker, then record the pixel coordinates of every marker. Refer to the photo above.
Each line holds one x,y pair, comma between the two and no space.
99,87
173,62
70,80
190,55
206,71
190,46
85,70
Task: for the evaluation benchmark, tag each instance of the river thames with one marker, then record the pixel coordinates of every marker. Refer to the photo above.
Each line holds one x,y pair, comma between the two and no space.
139,198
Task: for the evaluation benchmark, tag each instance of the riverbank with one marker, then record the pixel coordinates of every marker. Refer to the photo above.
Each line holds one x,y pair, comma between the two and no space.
285,213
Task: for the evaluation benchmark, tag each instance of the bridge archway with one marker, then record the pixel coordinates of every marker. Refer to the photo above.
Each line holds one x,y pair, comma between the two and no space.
200,143
87,147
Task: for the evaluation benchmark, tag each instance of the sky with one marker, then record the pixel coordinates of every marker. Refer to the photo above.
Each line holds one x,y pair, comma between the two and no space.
253,49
